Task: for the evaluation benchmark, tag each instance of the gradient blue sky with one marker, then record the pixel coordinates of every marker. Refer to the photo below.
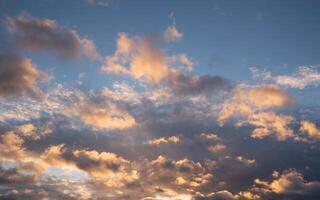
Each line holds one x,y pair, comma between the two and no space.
222,37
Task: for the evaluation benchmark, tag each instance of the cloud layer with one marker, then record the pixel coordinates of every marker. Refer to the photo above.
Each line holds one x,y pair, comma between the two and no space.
161,131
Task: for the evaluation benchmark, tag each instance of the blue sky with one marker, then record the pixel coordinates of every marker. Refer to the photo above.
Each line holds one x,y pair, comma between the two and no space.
223,37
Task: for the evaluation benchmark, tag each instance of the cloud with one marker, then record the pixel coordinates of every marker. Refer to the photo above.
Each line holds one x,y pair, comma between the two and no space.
140,57
19,76
179,174
100,2
245,101
33,132
210,136
220,195
255,106
172,34
290,182
269,123
309,128
11,146
109,117
217,148
13,176
45,35
158,141
97,164
194,85
100,112
304,77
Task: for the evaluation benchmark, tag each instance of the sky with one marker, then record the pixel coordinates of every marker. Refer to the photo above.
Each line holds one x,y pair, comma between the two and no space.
159,100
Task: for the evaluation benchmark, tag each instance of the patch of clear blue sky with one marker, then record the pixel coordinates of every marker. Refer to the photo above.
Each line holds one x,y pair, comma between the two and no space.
222,37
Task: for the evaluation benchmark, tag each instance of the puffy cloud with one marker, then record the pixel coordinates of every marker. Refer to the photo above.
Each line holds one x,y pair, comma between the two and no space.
217,148
245,101
33,132
18,76
171,139
107,118
209,136
99,164
304,77
310,128
144,59
177,175
11,147
191,85
53,156
13,176
268,123
141,58
290,182
220,195
253,105
99,112
46,35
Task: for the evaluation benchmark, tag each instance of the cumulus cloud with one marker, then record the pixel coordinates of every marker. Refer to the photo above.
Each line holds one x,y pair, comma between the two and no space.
100,112
141,58
246,101
220,195
19,76
184,173
46,35
254,106
305,76
109,117
97,164
209,136
269,123
217,148
13,176
290,182
98,150
310,128
171,139
191,85
11,147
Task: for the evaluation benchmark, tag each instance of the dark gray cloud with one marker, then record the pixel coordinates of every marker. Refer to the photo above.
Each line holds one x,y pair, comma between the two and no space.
193,85
18,75
46,35
13,176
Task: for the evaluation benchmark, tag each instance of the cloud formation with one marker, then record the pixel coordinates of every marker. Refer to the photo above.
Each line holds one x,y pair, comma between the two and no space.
18,76
141,58
255,106
309,128
290,182
305,76
45,35
170,133
158,141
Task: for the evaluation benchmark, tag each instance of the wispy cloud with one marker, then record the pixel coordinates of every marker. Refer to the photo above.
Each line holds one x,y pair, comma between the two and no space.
305,76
